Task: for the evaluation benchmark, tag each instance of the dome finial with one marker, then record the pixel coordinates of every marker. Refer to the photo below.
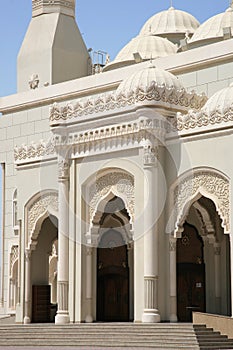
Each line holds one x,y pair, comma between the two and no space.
171,4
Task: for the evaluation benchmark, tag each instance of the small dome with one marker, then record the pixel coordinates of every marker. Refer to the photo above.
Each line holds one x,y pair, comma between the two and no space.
212,29
221,102
172,24
147,46
143,79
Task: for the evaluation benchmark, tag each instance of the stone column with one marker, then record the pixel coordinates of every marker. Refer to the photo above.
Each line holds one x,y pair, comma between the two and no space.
173,293
89,253
231,270
217,265
11,294
62,316
27,317
151,313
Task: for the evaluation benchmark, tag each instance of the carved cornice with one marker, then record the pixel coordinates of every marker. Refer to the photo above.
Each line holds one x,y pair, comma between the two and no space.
155,93
198,119
48,6
34,151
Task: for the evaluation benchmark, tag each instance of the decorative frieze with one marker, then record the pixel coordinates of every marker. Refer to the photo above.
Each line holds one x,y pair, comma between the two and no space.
34,151
197,119
155,93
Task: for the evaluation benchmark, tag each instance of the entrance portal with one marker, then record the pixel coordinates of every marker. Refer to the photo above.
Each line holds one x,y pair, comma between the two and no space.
112,278
190,274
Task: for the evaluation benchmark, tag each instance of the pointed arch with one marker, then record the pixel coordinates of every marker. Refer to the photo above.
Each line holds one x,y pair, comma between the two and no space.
37,209
193,184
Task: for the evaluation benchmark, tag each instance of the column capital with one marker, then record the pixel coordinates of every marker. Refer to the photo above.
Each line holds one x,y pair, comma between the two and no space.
172,244
150,156
28,254
63,170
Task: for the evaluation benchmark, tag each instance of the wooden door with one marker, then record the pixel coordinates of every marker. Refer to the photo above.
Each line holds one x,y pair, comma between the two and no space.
112,285
40,304
190,290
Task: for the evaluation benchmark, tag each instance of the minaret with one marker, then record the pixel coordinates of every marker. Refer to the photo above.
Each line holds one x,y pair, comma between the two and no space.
53,49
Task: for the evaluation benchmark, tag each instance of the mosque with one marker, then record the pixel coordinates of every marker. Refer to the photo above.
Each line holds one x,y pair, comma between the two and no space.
117,175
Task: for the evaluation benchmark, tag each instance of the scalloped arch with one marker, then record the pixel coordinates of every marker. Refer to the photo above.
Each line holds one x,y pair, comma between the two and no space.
37,209
190,186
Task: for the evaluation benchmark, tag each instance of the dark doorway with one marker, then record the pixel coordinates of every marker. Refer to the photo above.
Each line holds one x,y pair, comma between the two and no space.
190,274
113,280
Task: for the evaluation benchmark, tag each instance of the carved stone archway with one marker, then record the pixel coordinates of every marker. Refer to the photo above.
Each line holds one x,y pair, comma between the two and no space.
38,208
198,182
117,182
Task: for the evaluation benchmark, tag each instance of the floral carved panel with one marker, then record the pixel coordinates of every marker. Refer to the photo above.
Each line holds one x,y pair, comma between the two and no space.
209,184
120,184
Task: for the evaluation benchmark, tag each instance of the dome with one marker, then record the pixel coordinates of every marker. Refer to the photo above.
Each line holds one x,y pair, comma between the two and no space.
212,29
172,24
144,79
220,103
148,47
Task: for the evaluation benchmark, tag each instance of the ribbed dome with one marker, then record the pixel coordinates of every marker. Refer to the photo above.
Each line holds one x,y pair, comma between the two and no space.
221,102
148,46
212,29
172,23
143,79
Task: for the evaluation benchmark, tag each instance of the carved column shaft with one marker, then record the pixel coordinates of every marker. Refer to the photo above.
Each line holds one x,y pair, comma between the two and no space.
62,316
173,293
27,317
89,252
151,313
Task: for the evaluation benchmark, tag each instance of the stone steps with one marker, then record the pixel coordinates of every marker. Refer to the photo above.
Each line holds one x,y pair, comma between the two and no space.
112,335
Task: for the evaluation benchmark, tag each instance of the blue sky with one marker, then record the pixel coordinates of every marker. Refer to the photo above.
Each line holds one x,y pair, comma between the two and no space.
106,25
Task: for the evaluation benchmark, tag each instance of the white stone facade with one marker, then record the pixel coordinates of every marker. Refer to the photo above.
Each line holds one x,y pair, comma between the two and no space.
132,161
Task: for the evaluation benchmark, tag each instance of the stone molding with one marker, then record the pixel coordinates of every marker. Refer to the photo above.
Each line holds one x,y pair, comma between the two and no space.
155,93
34,151
208,183
197,119
47,6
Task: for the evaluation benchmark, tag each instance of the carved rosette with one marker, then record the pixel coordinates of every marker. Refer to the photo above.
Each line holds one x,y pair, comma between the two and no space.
210,184
120,184
63,170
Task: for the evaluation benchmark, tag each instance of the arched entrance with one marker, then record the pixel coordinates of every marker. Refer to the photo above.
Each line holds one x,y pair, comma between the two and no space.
190,274
42,306
114,263
112,278
203,263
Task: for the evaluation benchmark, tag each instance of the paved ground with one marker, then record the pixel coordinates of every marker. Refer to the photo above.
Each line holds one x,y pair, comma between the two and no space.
65,348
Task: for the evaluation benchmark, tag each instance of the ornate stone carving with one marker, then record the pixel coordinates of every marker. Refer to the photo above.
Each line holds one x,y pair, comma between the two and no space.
34,151
113,100
197,119
42,6
150,156
34,81
172,244
14,255
206,183
42,205
119,183
63,169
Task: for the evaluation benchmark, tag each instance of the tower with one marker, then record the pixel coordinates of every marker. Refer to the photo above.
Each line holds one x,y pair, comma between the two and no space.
53,49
